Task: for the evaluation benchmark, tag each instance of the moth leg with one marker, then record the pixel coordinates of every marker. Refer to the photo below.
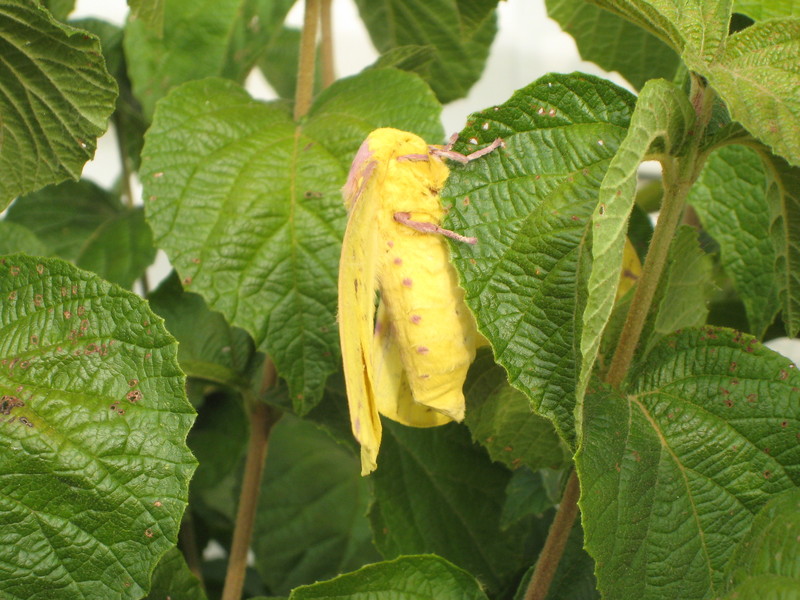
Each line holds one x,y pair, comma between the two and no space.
404,218
447,152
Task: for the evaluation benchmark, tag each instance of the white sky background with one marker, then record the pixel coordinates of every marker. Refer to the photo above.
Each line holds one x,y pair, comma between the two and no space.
528,45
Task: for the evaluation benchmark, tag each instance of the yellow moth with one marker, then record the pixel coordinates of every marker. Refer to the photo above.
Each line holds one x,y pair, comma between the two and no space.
409,360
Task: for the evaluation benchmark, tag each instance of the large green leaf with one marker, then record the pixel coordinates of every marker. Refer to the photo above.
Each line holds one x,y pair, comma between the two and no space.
695,28
438,492
529,206
311,522
674,469
60,8
766,564
194,44
758,76
150,12
121,249
730,197
209,347
64,216
94,469
613,42
767,9
461,33
173,579
246,204
500,417
258,31
783,195
86,224
405,578
659,126
18,238
56,97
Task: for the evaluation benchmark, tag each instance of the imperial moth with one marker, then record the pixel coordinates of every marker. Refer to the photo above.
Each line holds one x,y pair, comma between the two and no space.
410,362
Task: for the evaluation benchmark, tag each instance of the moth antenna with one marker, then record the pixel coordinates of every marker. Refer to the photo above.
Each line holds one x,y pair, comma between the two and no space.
446,152
404,218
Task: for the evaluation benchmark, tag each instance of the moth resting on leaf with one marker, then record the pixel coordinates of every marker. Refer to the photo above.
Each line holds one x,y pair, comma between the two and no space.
410,360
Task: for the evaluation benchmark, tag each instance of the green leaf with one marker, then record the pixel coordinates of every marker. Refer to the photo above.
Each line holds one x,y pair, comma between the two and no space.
673,471
192,29
500,417
258,31
761,9
18,238
684,292
56,99
526,495
246,203
730,197
93,461
149,12
209,348
758,76
783,195
219,441
461,32
173,579
766,564
694,28
86,224
121,249
311,522
60,9
660,125
438,492
64,216
529,206
405,578
614,43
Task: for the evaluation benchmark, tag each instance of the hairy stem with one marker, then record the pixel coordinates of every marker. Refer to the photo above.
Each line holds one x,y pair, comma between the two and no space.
262,418
679,174
308,54
326,44
556,540
675,193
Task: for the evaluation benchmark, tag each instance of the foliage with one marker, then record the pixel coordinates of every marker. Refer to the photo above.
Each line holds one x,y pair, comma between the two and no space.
681,433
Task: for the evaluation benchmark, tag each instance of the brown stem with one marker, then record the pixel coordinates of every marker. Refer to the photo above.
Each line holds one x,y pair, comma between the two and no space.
262,418
326,45
556,540
308,53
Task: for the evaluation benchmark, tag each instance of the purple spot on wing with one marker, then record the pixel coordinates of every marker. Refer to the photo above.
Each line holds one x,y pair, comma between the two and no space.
398,261
407,282
422,350
415,319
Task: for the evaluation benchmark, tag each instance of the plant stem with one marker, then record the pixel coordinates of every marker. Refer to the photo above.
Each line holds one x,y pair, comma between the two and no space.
668,219
557,537
308,54
262,418
326,42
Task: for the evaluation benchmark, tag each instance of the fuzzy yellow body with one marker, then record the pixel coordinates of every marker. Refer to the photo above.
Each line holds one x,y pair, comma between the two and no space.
410,363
